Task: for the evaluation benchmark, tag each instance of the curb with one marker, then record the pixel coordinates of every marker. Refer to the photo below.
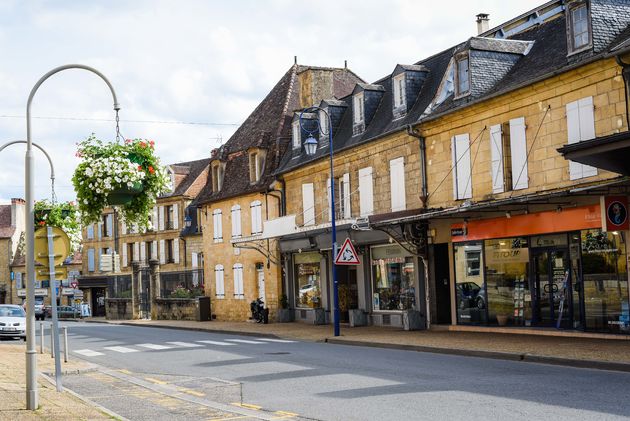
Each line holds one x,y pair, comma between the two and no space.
510,356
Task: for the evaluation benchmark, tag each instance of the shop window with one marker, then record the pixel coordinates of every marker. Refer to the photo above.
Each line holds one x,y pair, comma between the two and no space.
605,281
307,279
509,298
393,279
469,284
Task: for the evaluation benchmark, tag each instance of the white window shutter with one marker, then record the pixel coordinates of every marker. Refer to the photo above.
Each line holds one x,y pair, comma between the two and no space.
219,281
328,197
161,218
91,262
236,221
573,132
175,216
454,166
462,181
256,216
124,254
397,184
154,220
308,204
110,225
238,280
99,230
347,211
194,261
90,232
518,150
496,149
136,251
154,250
218,225
143,251
176,250
123,228
162,252
587,129
366,192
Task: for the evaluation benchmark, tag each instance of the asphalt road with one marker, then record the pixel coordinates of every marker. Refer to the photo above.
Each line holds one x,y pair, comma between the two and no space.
336,382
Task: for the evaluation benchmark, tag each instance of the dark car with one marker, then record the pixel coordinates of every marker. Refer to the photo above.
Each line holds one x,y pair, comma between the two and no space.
68,312
470,295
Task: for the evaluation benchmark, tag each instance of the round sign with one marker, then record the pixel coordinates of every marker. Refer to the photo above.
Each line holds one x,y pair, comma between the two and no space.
617,213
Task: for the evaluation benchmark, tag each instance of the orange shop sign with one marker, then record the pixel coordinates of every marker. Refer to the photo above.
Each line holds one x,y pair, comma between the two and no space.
571,219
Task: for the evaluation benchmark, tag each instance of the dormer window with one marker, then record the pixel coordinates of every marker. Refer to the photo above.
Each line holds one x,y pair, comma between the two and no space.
323,126
171,177
399,91
462,76
297,141
256,165
358,111
579,27
217,175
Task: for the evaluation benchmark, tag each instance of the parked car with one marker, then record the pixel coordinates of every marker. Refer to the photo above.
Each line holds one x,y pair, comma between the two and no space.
470,295
68,312
12,321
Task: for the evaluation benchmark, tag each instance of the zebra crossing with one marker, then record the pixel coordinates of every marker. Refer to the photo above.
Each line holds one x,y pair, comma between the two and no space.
174,345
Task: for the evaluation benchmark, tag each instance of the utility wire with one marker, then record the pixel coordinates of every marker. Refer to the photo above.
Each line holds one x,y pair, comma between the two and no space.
191,123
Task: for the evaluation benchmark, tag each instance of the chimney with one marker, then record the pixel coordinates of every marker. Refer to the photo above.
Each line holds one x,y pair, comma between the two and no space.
17,205
483,23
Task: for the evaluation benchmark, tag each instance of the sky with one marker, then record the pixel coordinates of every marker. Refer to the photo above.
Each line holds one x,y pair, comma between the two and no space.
188,72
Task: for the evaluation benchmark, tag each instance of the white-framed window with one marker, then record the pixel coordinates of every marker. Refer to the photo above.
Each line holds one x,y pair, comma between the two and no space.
366,192
462,180
358,108
462,76
219,282
90,232
238,281
217,176
91,261
518,153
217,225
580,127
308,204
397,184
236,222
323,125
399,91
579,27
256,165
297,141
256,213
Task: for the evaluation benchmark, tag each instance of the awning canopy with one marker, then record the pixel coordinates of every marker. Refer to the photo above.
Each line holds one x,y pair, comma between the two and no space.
610,153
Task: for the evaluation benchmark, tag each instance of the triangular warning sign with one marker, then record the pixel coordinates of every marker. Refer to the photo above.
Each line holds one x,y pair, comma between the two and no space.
347,254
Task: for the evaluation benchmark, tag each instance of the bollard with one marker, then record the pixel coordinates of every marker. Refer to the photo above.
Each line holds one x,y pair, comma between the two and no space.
41,338
52,342
65,343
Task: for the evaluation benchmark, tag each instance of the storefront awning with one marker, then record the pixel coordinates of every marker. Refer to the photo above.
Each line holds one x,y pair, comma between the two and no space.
610,153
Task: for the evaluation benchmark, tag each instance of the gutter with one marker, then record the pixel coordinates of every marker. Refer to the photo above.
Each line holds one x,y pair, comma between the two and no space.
625,72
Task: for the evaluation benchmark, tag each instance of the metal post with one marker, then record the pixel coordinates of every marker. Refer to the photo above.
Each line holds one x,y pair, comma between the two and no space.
41,338
52,344
336,314
29,189
53,298
65,343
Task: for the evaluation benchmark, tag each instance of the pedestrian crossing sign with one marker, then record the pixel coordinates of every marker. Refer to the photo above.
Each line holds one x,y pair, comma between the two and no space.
347,254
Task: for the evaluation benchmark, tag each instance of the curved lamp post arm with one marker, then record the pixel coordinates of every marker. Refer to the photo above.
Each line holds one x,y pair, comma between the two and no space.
52,167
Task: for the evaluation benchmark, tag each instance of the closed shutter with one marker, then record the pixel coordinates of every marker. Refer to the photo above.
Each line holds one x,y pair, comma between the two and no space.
154,218
366,192
175,216
397,184
154,250
256,213
496,149
347,210
518,151
136,251
91,263
143,251
90,232
123,228
110,225
161,218
587,129
99,230
308,204
236,221
124,255
162,252
462,182
219,281
218,225
194,261
176,250
238,281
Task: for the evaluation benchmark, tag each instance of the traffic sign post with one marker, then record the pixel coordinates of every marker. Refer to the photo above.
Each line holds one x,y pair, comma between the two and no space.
347,254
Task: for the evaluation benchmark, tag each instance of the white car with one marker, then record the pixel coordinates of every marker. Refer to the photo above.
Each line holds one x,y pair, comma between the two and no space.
12,321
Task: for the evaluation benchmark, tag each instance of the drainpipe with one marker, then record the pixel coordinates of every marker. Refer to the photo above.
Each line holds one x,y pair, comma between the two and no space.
626,77
424,195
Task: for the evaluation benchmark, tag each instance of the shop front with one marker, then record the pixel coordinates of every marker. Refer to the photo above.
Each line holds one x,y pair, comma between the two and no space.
549,269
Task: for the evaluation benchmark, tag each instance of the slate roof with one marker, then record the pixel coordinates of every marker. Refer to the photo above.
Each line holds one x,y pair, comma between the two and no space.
268,127
185,174
6,230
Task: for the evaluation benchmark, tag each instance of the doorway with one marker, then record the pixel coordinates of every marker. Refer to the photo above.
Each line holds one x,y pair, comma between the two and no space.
442,283
348,291
260,273
98,302
553,305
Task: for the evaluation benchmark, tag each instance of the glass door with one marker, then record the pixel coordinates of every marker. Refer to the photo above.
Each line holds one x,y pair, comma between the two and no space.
553,305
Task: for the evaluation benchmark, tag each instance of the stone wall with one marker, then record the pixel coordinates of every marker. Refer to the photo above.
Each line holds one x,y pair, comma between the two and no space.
177,308
118,309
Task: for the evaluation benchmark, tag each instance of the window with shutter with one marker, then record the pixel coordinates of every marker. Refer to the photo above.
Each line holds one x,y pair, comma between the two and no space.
462,182
176,250
308,204
345,197
366,192
236,221
358,108
397,184
219,282
161,216
238,281
297,142
518,152
162,252
256,212
154,250
91,262
90,232
580,127
125,258
217,225
175,216
143,251
497,166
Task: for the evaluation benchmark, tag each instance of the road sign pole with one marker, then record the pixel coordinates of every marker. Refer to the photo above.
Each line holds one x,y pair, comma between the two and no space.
53,298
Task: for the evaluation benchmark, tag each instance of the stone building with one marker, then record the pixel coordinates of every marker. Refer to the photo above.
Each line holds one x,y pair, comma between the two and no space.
12,225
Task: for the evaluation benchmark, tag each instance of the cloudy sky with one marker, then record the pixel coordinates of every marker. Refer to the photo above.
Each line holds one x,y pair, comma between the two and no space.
188,72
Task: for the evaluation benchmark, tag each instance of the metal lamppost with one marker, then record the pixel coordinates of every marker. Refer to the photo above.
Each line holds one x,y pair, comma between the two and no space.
310,145
29,187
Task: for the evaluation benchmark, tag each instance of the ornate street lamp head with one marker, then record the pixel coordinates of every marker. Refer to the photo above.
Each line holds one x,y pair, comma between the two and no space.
310,145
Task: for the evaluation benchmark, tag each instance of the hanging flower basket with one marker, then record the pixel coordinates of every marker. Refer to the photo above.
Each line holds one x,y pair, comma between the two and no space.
63,215
127,175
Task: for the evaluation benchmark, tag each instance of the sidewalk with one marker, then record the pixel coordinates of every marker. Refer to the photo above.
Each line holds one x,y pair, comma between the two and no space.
52,405
571,351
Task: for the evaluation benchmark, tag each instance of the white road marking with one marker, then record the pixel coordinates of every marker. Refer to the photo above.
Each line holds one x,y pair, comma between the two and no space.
154,346
88,352
284,341
216,343
121,349
184,344
244,341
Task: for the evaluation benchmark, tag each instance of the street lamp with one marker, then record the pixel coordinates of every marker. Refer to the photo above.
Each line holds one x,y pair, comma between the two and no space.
29,187
310,146
187,221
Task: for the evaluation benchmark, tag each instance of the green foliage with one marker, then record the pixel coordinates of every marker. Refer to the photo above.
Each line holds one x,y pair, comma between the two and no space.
108,167
182,292
62,215
124,294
